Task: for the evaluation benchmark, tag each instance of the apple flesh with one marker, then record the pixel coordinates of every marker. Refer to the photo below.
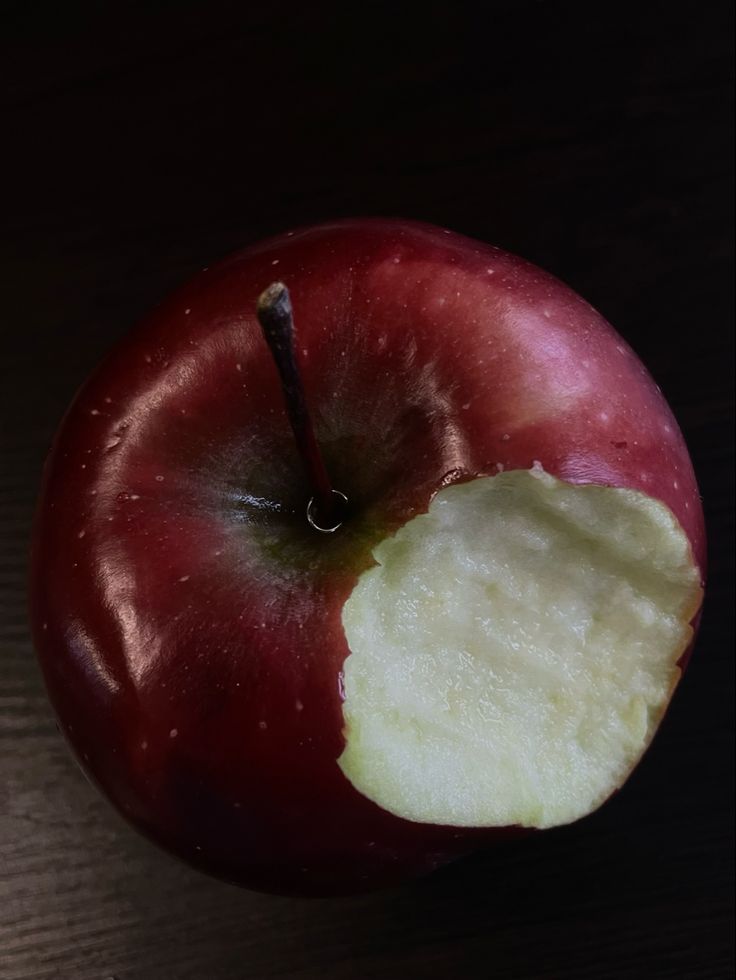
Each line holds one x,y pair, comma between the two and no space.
513,650
314,713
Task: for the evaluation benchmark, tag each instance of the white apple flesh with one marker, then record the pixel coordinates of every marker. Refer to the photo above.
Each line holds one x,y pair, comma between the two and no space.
513,650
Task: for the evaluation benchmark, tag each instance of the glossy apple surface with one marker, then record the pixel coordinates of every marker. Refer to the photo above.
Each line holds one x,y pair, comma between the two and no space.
188,619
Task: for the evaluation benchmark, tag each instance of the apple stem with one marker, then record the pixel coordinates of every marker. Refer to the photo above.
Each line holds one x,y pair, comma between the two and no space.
276,318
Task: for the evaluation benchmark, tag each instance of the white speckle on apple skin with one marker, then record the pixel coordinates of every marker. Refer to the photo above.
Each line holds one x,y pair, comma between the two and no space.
187,311
81,533
184,578
159,479
262,725
173,733
298,705
144,745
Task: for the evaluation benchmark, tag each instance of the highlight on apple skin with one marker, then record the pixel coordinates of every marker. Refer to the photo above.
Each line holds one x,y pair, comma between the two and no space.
487,642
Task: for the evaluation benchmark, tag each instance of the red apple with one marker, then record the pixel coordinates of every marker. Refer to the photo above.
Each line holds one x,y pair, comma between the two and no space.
514,581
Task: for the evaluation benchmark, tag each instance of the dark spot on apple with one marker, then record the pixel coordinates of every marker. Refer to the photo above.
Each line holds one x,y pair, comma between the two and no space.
619,445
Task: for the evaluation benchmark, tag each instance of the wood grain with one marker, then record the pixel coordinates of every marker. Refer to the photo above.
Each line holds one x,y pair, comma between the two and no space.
594,139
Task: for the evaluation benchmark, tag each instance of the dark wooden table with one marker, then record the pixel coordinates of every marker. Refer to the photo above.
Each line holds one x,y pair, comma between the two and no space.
141,141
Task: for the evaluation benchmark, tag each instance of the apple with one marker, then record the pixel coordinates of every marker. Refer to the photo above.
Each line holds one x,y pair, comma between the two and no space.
487,640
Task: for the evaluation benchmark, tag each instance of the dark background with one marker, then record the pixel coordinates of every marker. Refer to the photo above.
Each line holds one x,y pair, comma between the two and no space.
143,140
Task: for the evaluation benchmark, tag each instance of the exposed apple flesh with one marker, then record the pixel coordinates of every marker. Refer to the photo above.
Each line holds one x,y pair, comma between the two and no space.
513,650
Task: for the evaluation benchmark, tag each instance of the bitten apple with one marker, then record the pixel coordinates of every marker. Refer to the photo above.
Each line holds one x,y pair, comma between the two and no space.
488,639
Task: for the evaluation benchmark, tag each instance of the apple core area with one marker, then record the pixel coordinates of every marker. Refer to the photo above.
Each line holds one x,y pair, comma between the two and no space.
513,650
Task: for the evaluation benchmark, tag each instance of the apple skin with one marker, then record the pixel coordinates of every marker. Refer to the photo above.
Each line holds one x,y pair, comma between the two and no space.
187,619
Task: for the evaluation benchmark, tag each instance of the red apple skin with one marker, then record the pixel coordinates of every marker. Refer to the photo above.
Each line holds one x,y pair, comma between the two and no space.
187,619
